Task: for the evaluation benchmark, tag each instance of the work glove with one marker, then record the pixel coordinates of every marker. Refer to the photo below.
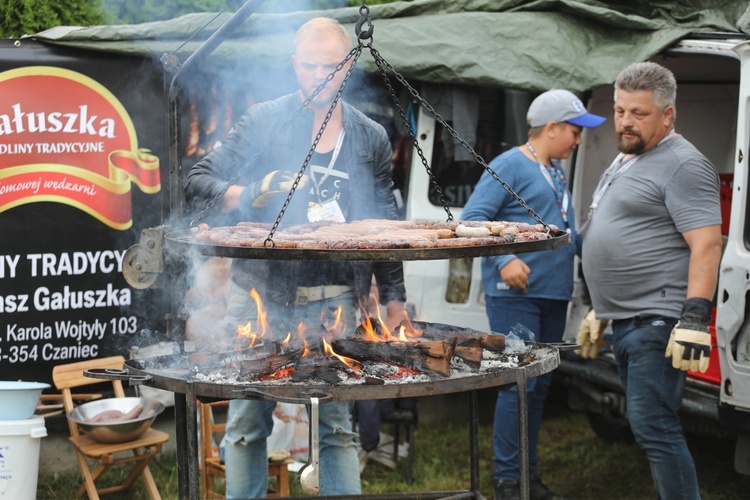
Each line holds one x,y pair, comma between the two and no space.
591,336
279,182
690,343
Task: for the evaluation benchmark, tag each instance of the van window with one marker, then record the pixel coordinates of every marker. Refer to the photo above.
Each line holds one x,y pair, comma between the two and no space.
500,125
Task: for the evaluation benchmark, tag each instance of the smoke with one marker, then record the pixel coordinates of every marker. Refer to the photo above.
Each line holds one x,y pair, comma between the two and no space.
241,72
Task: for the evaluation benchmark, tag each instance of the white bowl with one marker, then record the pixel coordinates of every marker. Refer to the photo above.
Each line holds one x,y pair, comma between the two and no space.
117,431
19,399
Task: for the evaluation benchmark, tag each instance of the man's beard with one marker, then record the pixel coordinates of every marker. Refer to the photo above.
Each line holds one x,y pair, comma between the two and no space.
630,148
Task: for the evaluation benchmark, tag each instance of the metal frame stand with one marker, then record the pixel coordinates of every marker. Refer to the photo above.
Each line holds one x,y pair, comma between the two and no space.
188,472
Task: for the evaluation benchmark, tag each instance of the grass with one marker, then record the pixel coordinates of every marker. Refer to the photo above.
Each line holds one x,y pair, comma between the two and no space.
574,463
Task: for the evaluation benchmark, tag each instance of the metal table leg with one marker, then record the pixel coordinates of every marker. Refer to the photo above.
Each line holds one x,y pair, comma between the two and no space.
474,441
191,407
186,435
523,434
180,427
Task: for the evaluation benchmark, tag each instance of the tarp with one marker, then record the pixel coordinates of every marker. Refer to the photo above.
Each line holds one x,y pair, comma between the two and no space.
525,44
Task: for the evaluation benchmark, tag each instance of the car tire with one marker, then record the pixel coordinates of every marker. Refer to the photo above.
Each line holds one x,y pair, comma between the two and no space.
610,429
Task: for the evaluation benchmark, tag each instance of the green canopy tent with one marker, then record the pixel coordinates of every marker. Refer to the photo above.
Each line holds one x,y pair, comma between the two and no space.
525,44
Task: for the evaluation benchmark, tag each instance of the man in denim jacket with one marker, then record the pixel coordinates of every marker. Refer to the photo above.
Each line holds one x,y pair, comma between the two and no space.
348,178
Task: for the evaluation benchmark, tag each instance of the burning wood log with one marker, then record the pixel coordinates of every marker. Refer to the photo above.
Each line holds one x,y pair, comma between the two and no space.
472,356
320,367
430,356
212,360
465,338
269,364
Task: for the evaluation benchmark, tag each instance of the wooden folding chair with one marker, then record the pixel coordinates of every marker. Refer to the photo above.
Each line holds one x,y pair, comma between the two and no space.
94,458
211,465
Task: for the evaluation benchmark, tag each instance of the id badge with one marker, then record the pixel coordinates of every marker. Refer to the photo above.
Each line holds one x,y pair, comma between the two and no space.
328,210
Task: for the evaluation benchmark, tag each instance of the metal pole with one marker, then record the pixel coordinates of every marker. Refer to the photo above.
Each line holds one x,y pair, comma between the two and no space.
191,407
197,57
180,427
523,434
186,426
474,441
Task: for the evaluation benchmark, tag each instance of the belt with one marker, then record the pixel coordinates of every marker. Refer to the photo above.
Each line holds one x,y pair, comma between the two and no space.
315,293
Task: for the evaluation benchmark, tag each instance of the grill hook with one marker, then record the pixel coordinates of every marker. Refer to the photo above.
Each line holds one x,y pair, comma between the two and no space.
364,13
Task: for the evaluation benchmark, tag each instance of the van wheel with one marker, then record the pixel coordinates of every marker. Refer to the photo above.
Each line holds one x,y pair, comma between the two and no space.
609,428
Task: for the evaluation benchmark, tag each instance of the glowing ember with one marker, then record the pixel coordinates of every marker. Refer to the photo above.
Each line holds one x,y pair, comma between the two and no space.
402,371
278,374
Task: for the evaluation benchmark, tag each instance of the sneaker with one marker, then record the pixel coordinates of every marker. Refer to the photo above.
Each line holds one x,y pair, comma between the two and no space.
511,490
384,457
539,491
506,489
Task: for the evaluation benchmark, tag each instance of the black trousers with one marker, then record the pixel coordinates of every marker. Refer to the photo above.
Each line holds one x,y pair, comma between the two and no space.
368,413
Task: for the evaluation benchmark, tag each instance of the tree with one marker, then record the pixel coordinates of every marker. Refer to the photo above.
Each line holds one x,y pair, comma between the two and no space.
141,11
25,17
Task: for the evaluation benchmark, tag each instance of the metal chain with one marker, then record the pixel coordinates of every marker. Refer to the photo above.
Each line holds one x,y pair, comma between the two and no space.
357,50
380,61
412,134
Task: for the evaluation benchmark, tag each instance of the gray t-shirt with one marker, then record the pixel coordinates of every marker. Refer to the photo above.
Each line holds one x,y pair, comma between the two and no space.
635,259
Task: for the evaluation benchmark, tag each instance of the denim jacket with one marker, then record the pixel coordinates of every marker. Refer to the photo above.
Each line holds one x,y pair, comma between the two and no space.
367,153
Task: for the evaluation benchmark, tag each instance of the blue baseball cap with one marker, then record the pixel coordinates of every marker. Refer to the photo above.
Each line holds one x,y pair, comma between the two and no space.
561,106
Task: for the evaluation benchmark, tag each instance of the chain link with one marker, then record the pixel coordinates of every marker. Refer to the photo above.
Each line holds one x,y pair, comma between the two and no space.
356,52
382,62
379,61
382,65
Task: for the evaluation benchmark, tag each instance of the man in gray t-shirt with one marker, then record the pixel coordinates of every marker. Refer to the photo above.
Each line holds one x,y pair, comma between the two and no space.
651,253
635,256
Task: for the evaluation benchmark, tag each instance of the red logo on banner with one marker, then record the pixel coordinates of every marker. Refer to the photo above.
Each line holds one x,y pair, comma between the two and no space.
65,138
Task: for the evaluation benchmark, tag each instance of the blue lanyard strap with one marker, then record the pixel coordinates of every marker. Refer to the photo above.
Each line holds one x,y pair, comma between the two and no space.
562,201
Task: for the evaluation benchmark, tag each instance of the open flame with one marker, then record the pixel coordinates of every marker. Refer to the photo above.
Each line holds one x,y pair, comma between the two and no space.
351,363
338,329
372,329
376,330
261,325
301,328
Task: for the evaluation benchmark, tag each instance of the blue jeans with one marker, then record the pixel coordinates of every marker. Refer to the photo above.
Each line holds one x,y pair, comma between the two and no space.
250,422
653,392
545,318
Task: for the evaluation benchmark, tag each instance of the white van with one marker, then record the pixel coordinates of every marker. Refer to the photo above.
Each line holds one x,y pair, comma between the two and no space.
713,103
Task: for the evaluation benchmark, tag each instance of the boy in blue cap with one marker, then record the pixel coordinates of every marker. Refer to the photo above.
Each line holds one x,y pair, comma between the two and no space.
531,290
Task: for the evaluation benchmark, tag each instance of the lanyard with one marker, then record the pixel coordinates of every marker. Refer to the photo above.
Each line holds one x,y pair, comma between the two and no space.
561,202
336,151
614,171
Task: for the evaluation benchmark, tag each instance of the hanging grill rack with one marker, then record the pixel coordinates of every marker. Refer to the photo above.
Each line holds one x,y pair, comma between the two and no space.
145,262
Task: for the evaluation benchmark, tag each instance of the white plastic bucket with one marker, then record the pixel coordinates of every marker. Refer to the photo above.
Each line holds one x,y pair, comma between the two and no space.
19,457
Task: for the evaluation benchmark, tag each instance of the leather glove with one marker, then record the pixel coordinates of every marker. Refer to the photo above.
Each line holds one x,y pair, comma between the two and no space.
591,336
690,343
279,182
